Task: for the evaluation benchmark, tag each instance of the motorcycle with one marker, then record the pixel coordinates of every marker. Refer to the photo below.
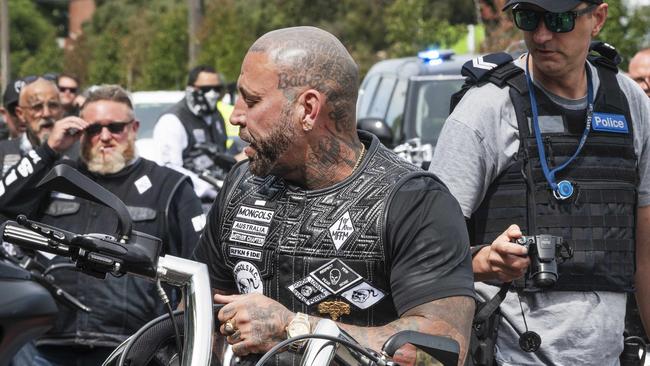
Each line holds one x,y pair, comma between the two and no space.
28,308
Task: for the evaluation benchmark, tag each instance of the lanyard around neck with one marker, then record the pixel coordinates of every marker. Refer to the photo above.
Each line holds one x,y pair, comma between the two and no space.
566,189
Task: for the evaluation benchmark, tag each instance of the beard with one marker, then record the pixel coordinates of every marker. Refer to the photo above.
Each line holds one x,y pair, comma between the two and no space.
100,162
40,136
269,150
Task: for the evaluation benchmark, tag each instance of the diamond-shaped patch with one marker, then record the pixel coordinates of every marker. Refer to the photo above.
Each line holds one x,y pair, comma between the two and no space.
341,230
309,291
335,276
363,295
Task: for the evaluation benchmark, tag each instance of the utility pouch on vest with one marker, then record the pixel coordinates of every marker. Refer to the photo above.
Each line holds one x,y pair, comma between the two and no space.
485,328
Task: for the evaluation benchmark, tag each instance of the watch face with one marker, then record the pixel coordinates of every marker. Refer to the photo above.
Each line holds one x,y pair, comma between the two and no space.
296,329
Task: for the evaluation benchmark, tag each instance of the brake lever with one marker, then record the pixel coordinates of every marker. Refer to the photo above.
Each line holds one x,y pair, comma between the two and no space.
60,294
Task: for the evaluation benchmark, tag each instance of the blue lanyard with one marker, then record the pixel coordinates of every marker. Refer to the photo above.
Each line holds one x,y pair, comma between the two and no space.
560,192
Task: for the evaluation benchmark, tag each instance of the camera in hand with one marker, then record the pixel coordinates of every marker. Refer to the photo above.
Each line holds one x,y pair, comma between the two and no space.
542,251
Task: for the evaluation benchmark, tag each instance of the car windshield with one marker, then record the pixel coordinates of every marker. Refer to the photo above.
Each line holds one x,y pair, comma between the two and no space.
428,107
147,114
150,105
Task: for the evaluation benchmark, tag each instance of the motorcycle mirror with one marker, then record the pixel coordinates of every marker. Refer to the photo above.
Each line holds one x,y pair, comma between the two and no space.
65,179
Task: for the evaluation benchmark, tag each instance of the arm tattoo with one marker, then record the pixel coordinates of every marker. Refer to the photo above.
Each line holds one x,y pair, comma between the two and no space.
449,317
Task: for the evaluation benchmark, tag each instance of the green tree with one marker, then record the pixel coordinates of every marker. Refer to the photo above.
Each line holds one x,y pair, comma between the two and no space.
32,41
626,32
412,25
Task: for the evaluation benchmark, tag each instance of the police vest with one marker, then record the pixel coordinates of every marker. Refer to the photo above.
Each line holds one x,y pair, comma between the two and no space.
598,221
119,305
319,252
198,131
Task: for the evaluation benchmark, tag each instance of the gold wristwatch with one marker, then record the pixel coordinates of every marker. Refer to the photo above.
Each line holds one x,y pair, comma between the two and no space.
298,326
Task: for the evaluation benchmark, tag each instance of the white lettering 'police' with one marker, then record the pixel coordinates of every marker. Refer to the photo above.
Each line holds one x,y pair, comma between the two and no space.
255,214
247,278
610,123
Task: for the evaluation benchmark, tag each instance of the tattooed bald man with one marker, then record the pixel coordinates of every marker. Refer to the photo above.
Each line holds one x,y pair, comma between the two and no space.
324,221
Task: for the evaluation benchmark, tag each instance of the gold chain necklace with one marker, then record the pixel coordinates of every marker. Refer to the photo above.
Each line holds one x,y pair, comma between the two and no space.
363,151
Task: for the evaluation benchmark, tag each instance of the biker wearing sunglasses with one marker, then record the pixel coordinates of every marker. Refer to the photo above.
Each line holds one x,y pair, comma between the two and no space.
527,149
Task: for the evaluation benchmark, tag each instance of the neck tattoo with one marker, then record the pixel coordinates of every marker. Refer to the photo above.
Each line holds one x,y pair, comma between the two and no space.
363,151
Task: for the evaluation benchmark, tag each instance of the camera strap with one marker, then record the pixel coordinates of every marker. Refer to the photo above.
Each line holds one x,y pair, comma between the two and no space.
493,304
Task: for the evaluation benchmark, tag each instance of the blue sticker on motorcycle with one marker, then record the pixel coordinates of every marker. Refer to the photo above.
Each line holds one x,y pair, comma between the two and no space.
606,122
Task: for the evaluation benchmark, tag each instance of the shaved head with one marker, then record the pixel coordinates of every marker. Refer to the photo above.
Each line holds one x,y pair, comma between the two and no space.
639,69
308,57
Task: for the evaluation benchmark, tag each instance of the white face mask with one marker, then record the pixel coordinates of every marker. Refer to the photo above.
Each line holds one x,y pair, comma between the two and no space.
201,103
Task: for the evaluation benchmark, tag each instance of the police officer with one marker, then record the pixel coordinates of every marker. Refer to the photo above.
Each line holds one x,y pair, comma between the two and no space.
192,122
556,144
323,221
161,203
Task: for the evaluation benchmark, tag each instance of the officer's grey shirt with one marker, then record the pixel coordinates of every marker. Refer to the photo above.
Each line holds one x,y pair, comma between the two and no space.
479,142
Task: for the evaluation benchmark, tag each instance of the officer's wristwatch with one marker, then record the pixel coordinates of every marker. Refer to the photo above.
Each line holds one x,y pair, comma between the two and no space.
298,326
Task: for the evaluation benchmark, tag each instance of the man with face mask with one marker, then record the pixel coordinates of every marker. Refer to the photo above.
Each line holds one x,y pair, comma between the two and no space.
193,122
161,203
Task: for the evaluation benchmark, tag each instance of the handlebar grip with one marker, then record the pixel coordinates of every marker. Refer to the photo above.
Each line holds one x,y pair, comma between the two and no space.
26,238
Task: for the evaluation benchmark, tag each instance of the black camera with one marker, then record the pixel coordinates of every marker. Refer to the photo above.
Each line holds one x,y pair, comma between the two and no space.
542,251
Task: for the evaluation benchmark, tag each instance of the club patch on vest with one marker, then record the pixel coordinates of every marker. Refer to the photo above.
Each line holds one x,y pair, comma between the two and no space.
245,253
309,291
143,184
247,278
246,232
609,123
199,135
341,230
363,295
255,214
335,276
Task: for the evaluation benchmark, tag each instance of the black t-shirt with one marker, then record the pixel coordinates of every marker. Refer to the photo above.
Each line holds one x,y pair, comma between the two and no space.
427,246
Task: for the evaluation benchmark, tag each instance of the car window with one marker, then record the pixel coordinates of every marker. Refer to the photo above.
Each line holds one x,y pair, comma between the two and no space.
396,105
431,107
147,114
366,94
382,97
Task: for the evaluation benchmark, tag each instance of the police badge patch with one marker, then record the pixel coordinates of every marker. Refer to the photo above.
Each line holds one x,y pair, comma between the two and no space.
363,295
309,291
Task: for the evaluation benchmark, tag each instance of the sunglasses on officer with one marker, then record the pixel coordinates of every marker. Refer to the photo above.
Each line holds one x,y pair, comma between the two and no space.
114,128
528,19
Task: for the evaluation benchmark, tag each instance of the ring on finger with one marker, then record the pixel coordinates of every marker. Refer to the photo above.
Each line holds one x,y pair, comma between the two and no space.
235,337
229,328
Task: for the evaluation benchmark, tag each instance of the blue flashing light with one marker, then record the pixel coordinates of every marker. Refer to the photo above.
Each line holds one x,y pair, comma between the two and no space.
434,57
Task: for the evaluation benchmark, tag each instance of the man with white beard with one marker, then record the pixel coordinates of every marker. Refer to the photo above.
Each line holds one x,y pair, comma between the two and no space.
161,203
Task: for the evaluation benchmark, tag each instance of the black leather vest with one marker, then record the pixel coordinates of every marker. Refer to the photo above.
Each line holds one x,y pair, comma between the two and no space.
316,251
119,305
10,154
198,131
598,221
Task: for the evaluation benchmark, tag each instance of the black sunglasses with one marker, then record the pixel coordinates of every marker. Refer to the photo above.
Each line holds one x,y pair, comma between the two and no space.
114,127
64,89
208,88
528,19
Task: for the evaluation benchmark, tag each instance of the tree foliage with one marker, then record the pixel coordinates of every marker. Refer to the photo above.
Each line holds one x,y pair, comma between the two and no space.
142,44
32,41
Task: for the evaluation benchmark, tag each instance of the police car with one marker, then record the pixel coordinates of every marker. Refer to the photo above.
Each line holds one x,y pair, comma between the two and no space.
405,101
